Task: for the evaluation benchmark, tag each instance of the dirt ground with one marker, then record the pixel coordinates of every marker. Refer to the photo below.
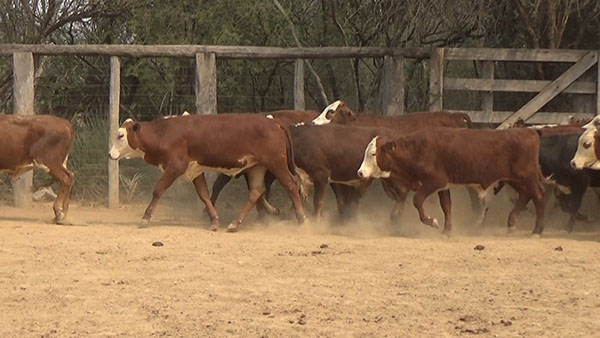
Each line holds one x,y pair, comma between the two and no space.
103,277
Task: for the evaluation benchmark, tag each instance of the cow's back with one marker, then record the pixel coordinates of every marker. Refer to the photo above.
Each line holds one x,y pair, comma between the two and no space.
466,156
290,117
412,121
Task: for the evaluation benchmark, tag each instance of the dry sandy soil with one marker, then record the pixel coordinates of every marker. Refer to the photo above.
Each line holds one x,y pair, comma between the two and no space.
103,277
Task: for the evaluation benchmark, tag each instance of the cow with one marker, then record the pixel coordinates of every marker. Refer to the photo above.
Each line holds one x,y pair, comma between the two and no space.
227,143
588,147
286,118
338,112
42,141
431,160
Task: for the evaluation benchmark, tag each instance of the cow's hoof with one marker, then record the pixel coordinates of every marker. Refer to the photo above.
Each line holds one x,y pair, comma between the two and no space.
512,228
536,236
232,227
60,218
214,227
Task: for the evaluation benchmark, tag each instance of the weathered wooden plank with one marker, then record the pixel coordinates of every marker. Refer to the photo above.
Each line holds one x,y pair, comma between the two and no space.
436,80
113,126
539,118
206,84
509,54
221,52
499,85
553,89
487,97
299,103
391,88
23,93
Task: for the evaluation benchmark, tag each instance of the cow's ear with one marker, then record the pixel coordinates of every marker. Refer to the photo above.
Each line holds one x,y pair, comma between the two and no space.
351,115
136,127
389,146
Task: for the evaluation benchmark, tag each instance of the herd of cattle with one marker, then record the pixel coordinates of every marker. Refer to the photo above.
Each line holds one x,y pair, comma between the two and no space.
424,152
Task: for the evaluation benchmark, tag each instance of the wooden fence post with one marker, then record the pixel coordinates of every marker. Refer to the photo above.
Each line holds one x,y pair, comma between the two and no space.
391,87
113,127
23,92
487,97
206,92
206,84
436,80
299,103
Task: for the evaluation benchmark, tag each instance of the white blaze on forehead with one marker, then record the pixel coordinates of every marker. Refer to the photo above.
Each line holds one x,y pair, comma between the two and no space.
585,157
121,148
322,119
369,166
270,116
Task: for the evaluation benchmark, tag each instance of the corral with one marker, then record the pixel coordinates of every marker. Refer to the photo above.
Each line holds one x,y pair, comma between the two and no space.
108,274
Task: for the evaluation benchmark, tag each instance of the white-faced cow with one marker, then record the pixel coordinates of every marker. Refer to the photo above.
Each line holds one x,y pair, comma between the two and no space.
227,143
43,141
588,148
431,160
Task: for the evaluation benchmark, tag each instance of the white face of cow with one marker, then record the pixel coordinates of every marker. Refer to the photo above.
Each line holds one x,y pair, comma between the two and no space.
323,118
585,157
369,166
121,149
593,124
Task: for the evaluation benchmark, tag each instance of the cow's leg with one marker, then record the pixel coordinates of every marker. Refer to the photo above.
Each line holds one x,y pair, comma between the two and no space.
520,203
320,186
256,186
171,173
351,197
285,178
420,195
446,204
265,204
217,186
397,193
338,192
202,191
65,179
537,195
484,198
476,202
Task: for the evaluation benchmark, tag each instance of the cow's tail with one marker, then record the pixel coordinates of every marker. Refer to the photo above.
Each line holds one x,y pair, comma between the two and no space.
289,150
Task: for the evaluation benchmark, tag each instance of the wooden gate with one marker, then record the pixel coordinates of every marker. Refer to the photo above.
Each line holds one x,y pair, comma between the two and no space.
581,60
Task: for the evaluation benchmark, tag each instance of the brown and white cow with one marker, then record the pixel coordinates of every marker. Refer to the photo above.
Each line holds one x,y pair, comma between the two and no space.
338,112
227,143
431,160
588,147
43,141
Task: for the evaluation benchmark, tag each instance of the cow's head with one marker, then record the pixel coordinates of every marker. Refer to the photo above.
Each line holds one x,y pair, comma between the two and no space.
127,143
328,113
593,124
587,154
374,154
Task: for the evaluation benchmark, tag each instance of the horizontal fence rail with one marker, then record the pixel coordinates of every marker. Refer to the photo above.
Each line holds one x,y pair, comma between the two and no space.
221,52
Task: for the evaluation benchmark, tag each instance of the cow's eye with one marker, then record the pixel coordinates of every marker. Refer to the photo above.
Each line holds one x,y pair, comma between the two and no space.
586,145
120,136
373,154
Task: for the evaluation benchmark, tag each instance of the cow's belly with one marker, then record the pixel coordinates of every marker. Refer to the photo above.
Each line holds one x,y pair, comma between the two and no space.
195,169
352,183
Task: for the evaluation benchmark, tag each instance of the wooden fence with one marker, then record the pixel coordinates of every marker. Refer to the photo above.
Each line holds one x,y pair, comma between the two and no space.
391,96
582,61
391,87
